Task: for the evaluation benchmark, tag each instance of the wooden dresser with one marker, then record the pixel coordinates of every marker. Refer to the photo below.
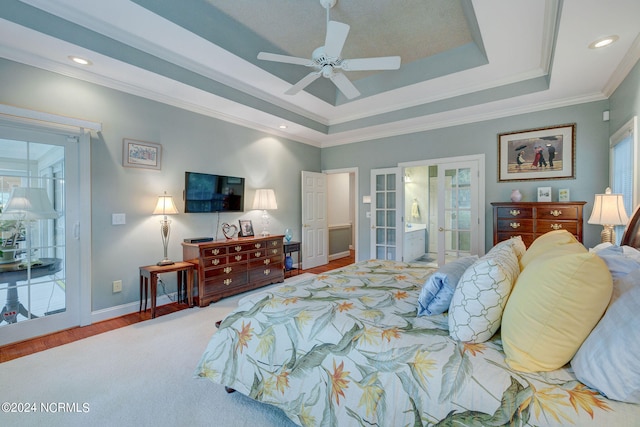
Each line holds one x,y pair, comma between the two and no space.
229,267
531,219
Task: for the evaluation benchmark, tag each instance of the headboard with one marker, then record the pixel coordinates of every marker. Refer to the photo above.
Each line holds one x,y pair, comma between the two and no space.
631,235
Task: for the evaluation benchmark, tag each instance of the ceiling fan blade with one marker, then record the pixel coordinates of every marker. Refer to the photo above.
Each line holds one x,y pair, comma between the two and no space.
344,85
365,64
306,81
336,36
285,58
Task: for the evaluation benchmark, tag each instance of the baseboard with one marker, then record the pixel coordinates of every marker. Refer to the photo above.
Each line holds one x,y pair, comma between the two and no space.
132,307
339,255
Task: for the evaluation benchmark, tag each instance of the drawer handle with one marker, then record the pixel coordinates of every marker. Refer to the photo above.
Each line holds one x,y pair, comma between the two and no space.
216,251
274,243
238,257
556,226
238,248
514,225
258,254
267,272
267,261
227,270
514,212
215,262
258,245
274,251
227,281
556,212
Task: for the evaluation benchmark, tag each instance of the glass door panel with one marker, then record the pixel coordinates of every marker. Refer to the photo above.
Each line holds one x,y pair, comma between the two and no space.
32,231
385,238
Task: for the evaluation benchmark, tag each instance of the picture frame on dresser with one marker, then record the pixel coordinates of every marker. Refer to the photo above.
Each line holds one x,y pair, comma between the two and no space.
246,228
544,194
542,153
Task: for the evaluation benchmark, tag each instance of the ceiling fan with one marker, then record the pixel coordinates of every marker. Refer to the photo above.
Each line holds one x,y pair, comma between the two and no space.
326,60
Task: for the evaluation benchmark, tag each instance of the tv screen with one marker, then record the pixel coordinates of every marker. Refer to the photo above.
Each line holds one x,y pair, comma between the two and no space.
213,193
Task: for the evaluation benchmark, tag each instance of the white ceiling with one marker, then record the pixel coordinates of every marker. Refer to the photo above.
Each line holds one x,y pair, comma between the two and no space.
462,60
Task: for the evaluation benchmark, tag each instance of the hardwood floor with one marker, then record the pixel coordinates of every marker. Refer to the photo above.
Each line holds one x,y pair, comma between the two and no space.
23,348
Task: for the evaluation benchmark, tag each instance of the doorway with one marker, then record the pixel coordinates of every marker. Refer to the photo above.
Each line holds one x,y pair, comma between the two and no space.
40,244
443,209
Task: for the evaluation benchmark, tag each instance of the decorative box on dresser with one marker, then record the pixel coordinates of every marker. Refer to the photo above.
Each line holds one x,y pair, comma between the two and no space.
229,267
532,219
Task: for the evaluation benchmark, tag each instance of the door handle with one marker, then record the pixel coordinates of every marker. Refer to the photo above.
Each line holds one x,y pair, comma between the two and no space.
440,229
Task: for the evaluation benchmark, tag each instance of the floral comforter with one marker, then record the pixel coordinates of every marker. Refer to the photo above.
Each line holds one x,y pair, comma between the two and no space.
346,348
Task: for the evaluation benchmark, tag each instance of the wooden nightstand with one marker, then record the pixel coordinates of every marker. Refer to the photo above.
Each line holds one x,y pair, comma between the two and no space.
150,273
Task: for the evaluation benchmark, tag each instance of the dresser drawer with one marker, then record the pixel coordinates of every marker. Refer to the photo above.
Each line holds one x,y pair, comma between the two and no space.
560,212
224,283
515,225
213,262
514,212
544,226
213,252
267,273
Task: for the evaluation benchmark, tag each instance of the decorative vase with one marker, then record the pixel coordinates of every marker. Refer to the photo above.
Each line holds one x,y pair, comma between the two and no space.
288,262
516,196
288,234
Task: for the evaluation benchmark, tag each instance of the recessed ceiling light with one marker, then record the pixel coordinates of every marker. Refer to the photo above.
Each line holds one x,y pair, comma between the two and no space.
603,42
282,126
79,60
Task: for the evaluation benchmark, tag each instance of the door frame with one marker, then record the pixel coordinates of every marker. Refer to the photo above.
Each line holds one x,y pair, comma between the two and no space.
480,159
77,133
356,205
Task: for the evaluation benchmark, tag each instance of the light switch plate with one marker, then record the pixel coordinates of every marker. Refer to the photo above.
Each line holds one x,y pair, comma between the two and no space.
118,219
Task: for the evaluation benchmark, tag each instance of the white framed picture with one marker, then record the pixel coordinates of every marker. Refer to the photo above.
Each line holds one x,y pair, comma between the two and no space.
544,194
563,195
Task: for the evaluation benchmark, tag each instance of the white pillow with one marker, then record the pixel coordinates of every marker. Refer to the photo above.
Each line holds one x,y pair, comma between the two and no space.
476,308
608,359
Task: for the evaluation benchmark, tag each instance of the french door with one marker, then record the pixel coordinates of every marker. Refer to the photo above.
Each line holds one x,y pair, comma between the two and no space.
39,224
386,223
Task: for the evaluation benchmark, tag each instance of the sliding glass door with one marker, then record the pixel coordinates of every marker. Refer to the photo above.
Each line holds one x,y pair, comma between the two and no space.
38,261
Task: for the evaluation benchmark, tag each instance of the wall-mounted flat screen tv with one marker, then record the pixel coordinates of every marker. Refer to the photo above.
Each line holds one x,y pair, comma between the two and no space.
213,193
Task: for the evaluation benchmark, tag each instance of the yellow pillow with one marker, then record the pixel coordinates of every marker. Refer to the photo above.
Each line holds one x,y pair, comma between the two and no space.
553,307
557,241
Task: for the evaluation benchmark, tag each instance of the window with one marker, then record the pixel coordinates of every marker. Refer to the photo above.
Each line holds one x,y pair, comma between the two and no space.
623,169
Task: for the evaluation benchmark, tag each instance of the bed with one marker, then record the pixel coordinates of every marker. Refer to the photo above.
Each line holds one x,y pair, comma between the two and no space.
348,348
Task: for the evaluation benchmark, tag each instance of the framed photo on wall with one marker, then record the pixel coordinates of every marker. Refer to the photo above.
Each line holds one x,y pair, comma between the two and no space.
141,154
246,228
543,153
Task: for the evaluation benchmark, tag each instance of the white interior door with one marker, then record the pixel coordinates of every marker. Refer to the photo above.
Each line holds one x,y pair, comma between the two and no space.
458,218
315,231
386,220
39,276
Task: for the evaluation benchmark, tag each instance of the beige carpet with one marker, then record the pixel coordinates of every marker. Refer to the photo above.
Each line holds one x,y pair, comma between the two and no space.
140,375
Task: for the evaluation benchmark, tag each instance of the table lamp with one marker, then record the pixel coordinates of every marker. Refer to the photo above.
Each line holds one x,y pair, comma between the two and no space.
265,199
26,204
165,206
608,211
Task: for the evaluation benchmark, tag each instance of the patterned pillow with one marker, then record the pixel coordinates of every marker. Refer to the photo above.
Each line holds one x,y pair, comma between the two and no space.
437,291
481,295
519,248
608,359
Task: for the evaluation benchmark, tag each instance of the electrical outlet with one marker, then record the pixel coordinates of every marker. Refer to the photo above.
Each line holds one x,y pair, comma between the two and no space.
117,286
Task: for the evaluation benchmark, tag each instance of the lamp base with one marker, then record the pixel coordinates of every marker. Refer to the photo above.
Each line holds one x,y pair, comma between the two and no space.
165,262
608,235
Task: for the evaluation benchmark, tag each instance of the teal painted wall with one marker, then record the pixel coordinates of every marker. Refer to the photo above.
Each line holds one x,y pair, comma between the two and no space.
625,100
481,138
190,142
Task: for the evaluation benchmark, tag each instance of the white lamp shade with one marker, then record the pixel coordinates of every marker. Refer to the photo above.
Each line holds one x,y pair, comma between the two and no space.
28,204
265,198
165,206
608,209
